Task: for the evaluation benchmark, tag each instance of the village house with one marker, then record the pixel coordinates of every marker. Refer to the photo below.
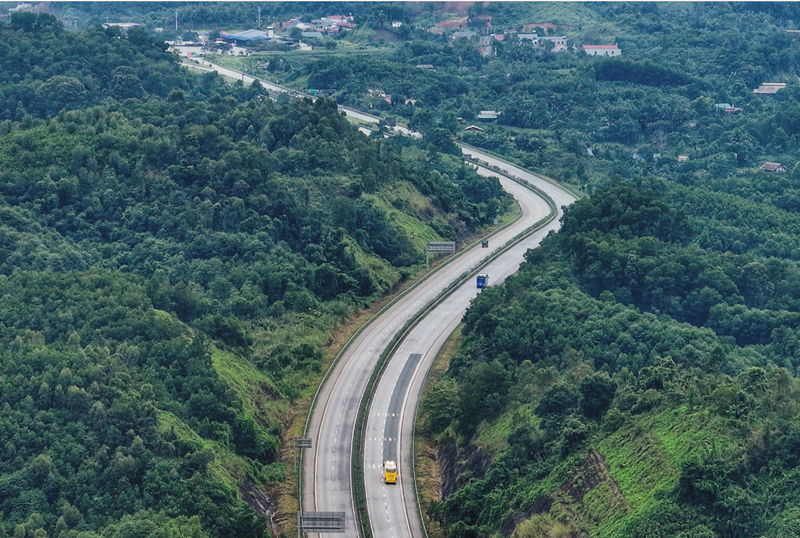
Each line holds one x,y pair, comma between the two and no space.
124,26
247,36
602,50
769,88
776,168
341,19
487,115
534,38
469,34
474,129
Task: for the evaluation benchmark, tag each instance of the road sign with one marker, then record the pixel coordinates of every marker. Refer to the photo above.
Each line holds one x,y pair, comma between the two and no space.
302,443
442,247
438,247
320,522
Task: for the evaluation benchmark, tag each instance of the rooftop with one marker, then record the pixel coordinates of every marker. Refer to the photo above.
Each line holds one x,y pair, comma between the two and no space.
770,87
247,35
772,167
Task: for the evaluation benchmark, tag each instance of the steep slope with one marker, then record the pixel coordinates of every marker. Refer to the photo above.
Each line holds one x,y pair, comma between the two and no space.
627,382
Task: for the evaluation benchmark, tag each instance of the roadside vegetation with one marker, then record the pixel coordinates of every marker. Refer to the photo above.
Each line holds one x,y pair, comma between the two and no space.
176,253
627,382
636,378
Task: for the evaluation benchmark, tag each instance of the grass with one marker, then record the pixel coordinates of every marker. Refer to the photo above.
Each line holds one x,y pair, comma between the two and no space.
418,232
625,472
645,457
252,386
226,466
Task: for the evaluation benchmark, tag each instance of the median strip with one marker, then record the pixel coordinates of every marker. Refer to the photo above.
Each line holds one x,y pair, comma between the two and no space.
359,487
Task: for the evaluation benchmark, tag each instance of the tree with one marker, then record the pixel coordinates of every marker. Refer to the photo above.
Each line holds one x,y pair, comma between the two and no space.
440,404
555,405
61,93
597,392
756,284
125,84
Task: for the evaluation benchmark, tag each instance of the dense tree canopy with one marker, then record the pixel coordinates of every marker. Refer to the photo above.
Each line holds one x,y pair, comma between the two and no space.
621,329
174,251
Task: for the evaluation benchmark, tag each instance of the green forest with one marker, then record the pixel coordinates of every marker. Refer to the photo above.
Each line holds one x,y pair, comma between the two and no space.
175,251
637,112
631,379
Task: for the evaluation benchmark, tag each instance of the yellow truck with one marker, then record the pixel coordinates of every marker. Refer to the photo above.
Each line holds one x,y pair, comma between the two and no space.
389,472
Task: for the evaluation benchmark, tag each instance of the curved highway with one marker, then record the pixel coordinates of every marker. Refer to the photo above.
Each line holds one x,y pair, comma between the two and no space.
327,470
205,65
393,509
327,481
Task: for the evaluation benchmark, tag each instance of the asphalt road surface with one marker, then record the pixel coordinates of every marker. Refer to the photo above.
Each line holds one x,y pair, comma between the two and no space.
393,509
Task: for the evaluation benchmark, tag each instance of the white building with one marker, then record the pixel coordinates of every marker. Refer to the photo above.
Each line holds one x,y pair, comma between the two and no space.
602,50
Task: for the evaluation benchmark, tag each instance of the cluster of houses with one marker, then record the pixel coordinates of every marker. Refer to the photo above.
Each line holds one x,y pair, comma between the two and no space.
326,25
315,29
559,42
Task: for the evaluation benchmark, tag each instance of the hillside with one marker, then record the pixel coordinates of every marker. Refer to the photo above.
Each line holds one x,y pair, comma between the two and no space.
628,382
176,252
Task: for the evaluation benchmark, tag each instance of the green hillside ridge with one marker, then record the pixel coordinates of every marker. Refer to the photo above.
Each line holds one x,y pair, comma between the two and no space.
176,253
601,412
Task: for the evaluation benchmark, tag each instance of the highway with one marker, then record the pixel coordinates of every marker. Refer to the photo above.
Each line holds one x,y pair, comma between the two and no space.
205,65
393,509
327,483
327,479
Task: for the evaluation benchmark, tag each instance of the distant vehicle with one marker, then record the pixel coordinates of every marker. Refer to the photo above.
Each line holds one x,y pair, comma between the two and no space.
485,243
483,279
390,472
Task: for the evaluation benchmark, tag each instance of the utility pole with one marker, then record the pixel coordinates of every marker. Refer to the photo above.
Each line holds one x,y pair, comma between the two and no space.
259,18
176,20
